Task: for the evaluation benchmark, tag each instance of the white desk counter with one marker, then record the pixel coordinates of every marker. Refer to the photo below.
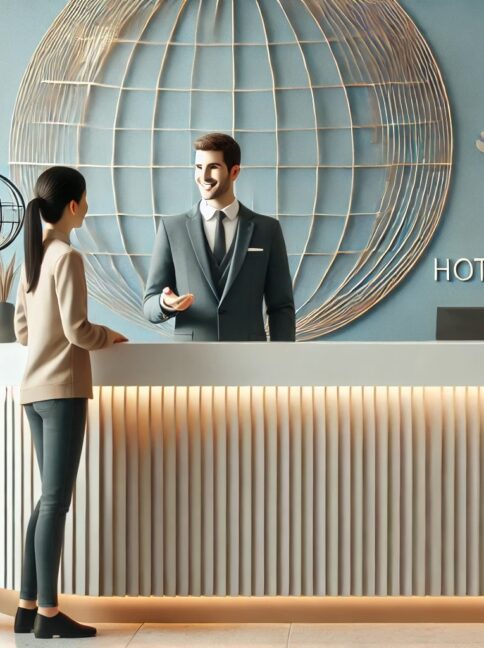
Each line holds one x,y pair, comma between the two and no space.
281,363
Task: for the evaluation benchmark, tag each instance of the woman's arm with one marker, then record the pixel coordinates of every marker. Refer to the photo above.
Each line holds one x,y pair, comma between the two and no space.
70,284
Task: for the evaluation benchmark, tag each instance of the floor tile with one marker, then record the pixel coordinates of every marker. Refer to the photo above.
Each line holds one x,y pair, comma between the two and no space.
364,635
249,635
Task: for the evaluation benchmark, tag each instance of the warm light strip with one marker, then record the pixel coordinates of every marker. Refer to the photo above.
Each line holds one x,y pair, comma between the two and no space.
267,609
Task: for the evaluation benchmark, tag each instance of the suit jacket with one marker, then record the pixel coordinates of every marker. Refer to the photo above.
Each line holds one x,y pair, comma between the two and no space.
259,270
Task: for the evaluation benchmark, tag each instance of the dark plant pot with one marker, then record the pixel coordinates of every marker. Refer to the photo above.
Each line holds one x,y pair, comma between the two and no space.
7,332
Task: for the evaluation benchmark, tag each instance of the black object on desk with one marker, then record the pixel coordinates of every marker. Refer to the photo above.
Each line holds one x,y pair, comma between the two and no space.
460,323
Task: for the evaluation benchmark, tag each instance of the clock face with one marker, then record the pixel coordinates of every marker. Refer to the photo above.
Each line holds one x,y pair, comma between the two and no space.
339,108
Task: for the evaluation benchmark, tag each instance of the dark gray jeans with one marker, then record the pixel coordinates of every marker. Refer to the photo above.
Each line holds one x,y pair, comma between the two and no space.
57,428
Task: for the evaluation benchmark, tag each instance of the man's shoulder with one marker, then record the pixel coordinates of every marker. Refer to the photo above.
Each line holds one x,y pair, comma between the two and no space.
267,222
174,221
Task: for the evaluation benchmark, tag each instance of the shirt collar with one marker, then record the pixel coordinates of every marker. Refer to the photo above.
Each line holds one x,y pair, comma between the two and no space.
50,234
231,211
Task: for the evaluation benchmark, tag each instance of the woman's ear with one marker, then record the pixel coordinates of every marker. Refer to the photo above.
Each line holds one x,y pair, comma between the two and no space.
73,206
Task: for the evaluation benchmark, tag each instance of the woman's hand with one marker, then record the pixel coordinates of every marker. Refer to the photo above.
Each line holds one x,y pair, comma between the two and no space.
120,338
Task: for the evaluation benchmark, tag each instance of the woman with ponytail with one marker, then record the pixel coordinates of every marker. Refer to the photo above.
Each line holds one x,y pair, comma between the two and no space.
51,318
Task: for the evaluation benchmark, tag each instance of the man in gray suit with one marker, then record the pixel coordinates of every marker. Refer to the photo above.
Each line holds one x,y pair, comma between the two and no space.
213,266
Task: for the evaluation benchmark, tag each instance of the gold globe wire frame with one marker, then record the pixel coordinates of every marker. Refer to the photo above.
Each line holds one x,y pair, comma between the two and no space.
370,40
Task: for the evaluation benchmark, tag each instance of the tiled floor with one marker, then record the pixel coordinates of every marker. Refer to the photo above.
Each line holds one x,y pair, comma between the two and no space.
270,635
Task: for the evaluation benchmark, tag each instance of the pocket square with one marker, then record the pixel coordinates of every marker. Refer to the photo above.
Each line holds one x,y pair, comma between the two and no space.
255,249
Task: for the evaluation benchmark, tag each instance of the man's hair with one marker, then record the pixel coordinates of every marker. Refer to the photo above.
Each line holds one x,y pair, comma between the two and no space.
220,142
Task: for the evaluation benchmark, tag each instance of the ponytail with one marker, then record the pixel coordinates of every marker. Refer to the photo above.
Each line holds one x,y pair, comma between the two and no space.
33,249
54,189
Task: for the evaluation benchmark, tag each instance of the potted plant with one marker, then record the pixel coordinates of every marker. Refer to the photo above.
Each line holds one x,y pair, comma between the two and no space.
7,310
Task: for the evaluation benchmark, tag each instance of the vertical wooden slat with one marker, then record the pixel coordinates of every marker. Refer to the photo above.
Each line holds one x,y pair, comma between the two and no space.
220,495
381,415
284,490
79,511
132,482
271,477
10,488
169,491
120,485
344,487
473,484
295,444
258,490
145,527
460,558
233,495
448,495
93,451
182,491
406,537
369,490
307,491
245,491
434,440
394,493
319,402
157,505
19,529
206,416
107,492
420,484
195,459
332,493
357,491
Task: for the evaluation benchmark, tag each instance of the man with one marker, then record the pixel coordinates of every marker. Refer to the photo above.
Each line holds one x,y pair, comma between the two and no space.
212,267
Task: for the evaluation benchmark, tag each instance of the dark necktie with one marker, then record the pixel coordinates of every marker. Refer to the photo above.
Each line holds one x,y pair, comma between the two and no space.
219,246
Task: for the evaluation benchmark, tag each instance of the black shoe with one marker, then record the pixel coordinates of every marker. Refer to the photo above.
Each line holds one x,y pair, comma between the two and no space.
60,625
24,620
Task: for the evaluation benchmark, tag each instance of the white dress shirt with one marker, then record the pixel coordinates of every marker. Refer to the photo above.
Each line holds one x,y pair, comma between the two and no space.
210,222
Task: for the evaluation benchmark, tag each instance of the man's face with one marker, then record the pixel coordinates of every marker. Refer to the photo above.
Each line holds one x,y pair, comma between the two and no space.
211,174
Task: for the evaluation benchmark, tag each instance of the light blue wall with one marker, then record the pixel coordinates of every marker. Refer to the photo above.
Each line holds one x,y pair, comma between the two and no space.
453,30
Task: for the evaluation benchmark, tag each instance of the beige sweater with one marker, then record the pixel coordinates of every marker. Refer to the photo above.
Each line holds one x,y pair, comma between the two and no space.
52,322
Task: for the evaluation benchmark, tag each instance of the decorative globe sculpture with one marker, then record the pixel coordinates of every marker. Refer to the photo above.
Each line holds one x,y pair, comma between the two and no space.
338,105
12,211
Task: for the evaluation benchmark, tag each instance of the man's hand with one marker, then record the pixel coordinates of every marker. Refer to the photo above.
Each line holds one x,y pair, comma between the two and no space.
171,301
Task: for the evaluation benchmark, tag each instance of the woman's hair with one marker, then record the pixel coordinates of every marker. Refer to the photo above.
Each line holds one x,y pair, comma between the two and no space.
54,189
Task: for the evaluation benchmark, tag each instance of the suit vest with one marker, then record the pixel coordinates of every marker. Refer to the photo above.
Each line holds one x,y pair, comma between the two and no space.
219,272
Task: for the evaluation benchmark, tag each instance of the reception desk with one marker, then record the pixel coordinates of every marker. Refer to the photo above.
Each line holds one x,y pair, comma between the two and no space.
261,470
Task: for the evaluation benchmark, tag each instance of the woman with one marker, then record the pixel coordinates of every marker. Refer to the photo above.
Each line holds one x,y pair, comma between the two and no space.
51,318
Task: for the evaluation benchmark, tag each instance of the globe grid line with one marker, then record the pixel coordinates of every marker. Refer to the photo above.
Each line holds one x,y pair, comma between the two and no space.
274,101
326,271
318,154
374,49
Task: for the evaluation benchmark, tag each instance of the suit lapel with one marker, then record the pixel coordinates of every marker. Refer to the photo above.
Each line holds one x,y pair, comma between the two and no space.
197,239
244,234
